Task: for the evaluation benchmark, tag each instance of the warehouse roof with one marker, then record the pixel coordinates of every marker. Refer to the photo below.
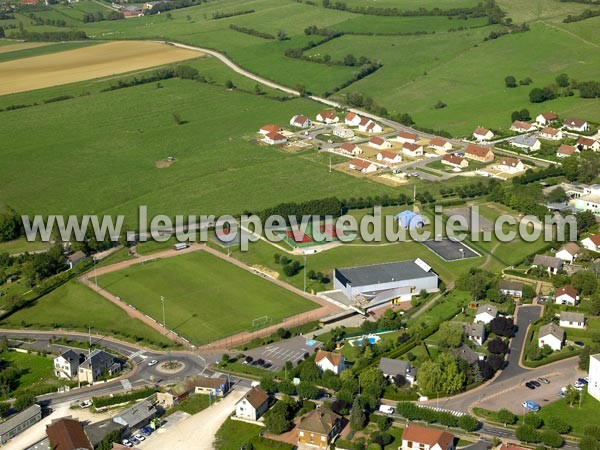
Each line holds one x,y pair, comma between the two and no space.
384,273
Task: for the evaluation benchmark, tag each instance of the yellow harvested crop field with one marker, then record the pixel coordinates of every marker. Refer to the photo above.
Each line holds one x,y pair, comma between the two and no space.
20,46
86,63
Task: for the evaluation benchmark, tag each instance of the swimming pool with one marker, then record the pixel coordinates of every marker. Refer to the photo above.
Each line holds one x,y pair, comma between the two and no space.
371,339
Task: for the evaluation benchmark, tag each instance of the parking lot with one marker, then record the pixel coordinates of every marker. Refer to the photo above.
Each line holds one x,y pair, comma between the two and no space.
450,250
274,356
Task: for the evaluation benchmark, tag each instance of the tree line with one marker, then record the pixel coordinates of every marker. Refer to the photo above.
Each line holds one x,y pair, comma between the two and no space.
565,87
587,14
251,31
38,21
99,16
222,15
183,72
50,36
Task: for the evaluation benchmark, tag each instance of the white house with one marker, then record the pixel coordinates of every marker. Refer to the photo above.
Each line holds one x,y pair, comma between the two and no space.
551,134
344,133
510,165
454,161
352,119
590,200
412,150
551,335
594,375
521,127
327,117
361,165
415,437
482,134
67,364
252,405
571,320
576,125
440,145
329,361
379,143
389,157
405,136
350,149
592,242
568,252
274,139
391,368
550,263
511,288
586,143
475,332
368,126
300,121
526,142
546,118
486,313
566,295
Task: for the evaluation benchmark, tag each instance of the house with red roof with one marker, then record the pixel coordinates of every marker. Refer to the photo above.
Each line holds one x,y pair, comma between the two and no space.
551,134
592,242
455,161
379,143
368,126
300,121
270,128
274,138
331,361
479,153
348,148
522,127
406,136
576,125
440,145
412,150
327,117
564,151
361,165
416,437
546,118
352,119
566,295
587,143
482,134
389,157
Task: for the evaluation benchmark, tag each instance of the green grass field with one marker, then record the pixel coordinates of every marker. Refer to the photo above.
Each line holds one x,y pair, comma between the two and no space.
21,245
206,297
575,416
36,371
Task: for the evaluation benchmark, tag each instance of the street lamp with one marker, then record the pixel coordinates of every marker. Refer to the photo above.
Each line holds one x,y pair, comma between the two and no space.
162,299
95,273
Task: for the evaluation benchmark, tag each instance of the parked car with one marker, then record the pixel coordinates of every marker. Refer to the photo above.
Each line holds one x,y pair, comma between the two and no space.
582,381
152,363
561,394
535,383
147,431
530,385
544,380
126,443
531,405
140,437
386,409
85,404
133,440
579,343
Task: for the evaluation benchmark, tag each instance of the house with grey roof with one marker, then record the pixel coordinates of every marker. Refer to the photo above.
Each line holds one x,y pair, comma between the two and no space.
136,416
392,368
475,332
526,142
20,422
549,263
511,288
467,354
97,364
571,320
66,365
551,335
486,313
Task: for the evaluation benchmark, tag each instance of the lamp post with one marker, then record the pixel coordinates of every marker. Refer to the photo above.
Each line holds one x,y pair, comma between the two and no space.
162,299
95,273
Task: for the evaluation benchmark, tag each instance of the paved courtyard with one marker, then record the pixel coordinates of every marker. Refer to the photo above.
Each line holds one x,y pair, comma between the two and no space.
450,250
277,353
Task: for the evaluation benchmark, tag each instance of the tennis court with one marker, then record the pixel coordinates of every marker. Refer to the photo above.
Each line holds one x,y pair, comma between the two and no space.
450,250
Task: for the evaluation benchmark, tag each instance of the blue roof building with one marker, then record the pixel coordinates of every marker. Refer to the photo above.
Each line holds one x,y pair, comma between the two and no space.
408,219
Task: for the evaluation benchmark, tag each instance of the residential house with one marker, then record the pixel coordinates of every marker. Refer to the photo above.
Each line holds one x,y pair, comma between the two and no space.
551,335
440,145
455,161
67,434
521,127
586,143
318,429
412,150
416,437
66,365
20,422
379,143
362,165
564,151
270,128
592,242
590,200
327,117
132,11
97,431
352,119
526,142
389,157
96,365
594,376
344,133
482,134
274,139
217,387
475,332
576,125
75,258
350,149
566,295
405,136
571,320
467,354
546,118
136,416
511,288
510,165
550,263
329,361
478,153
300,121
368,126
551,134
252,405
568,252
486,313
392,368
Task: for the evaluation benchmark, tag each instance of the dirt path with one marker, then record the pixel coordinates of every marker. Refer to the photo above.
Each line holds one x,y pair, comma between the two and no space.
489,256
576,36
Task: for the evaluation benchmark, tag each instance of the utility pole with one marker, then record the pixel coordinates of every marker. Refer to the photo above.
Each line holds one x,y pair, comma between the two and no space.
162,299
90,338
95,273
305,273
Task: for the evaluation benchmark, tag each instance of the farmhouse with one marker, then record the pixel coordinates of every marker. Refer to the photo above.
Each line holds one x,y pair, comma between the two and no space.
274,139
252,405
408,219
368,281
550,263
66,365
576,125
564,151
417,437
344,133
551,335
478,153
300,121
361,165
327,117
482,134
269,129
568,252
521,127
454,161
67,434
551,134
389,157
440,145
392,368
379,143
566,295
546,118
511,288
528,143
412,150
571,320
318,429
485,313
329,361
405,136
594,374
368,126
20,422
96,364
510,165
475,332
586,143
132,11
592,242
352,119
350,149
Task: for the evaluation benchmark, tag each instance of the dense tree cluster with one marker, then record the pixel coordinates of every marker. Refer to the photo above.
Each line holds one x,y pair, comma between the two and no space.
99,16
222,14
586,14
251,31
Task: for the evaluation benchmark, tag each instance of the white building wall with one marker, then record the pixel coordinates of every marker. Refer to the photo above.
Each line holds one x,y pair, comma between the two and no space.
594,384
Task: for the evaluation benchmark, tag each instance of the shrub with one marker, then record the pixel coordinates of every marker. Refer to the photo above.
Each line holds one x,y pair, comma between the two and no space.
552,438
557,424
533,420
468,423
527,433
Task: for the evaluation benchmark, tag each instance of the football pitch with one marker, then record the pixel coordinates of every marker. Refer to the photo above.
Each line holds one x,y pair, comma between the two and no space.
206,298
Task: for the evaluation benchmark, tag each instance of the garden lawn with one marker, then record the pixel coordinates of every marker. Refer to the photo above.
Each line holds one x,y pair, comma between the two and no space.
206,298
233,434
35,370
577,417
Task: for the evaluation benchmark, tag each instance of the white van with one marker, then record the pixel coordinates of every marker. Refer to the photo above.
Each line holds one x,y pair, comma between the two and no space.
386,409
